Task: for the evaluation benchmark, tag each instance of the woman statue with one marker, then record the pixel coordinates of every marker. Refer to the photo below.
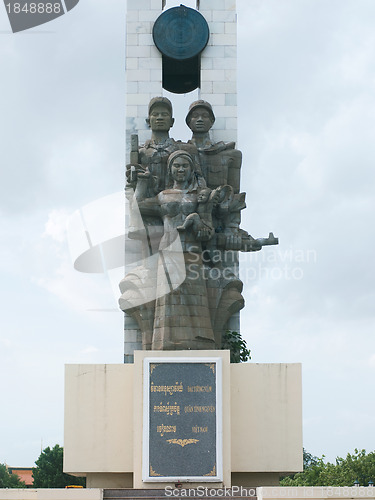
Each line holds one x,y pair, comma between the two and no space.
181,316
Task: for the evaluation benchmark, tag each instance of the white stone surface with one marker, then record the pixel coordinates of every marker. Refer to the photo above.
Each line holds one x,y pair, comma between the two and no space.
156,4
51,494
217,28
148,15
131,63
211,51
225,63
223,39
230,4
132,15
132,39
207,14
150,63
139,75
231,99
153,88
231,28
206,88
103,416
224,87
138,98
212,4
231,123
213,75
139,5
145,39
131,87
98,424
224,15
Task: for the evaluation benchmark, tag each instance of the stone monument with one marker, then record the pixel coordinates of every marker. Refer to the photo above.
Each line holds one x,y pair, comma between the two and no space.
177,411
189,201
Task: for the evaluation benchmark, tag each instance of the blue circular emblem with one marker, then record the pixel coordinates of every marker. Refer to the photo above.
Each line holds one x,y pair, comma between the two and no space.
181,33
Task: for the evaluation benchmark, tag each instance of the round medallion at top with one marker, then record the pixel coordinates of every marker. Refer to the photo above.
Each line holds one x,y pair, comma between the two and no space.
180,33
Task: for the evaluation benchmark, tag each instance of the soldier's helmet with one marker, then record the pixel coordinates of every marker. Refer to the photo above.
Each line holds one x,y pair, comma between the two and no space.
200,104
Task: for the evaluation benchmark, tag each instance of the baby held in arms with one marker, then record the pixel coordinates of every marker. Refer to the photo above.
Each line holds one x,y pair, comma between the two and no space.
201,220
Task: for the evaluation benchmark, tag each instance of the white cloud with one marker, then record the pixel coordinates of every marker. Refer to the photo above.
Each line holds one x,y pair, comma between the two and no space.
371,361
90,350
55,227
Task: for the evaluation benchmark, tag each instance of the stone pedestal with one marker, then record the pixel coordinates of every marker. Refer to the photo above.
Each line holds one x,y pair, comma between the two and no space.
261,415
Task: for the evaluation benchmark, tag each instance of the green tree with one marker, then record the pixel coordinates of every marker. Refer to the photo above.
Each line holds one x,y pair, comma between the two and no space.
48,472
358,466
8,480
309,460
237,346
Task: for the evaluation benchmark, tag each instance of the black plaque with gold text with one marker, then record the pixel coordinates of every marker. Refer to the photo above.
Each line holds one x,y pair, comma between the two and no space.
182,420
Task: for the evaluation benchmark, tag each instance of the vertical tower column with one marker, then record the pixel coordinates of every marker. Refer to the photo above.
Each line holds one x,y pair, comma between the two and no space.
219,87
144,80
219,66
143,65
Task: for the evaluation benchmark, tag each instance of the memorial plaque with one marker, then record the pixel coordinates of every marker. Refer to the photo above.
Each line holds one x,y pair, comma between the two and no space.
182,419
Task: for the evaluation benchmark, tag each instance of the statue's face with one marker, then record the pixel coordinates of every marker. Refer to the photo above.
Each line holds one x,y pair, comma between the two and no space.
160,118
181,169
203,195
200,120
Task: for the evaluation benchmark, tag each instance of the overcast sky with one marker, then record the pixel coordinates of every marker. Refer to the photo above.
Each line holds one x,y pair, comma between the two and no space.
306,87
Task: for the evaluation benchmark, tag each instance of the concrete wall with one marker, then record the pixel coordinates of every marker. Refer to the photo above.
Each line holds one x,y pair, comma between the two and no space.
51,494
266,417
274,493
103,421
98,432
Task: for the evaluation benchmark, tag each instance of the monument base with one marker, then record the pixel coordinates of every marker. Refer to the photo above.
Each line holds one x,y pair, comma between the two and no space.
260,408
117,480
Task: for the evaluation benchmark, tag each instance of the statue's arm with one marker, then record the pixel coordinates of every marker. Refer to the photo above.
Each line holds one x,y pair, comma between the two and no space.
141,187
147,206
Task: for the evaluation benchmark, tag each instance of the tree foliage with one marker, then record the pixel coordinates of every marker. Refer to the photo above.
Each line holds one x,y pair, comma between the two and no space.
357,467
48,472
237,346
8,480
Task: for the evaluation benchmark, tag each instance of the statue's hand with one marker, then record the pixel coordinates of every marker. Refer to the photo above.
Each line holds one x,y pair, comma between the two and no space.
233,242
132,172
146,174
204,233
249,244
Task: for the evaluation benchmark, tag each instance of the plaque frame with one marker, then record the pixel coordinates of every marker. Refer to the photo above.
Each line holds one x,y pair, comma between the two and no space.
218,477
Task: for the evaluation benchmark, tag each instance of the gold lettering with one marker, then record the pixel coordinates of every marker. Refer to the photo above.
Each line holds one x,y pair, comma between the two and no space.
196,429
162,429
167,389
199,409
199,388
167,409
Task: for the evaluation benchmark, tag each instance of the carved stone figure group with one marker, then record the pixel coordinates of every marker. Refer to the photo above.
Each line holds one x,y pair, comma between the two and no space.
185,209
